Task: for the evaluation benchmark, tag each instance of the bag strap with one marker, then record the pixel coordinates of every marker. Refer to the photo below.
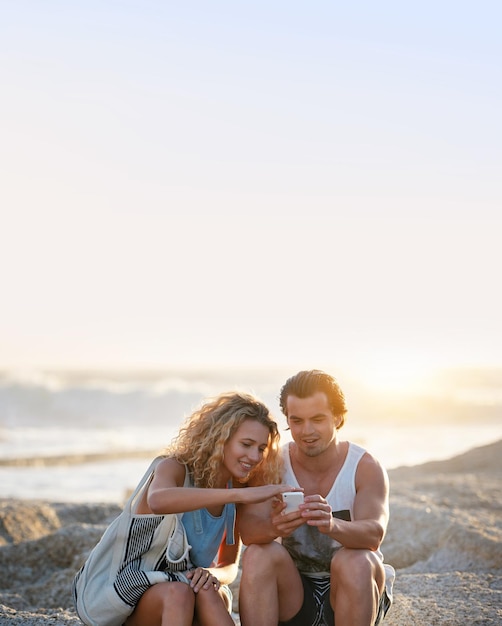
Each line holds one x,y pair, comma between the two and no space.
139,487
123,522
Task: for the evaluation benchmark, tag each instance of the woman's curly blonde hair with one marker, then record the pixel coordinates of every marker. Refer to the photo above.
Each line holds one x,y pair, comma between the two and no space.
201,439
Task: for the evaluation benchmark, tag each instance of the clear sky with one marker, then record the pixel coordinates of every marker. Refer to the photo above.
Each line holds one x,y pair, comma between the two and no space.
229,183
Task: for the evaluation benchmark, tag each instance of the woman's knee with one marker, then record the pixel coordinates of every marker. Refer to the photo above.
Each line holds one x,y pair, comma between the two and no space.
210,599
173,594
158,599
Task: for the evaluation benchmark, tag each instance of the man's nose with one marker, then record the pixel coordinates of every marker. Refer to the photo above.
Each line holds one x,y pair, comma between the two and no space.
308,428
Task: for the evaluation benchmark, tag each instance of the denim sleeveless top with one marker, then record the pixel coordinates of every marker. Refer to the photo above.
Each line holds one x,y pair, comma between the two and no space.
205,532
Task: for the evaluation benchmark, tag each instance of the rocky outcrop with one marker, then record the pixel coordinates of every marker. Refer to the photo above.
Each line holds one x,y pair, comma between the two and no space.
444,539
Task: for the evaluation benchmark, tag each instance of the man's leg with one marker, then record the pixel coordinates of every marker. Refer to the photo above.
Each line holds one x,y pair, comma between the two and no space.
357,582
271,589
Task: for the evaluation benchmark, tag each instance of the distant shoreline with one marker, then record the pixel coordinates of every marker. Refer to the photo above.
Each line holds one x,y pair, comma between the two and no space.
77,458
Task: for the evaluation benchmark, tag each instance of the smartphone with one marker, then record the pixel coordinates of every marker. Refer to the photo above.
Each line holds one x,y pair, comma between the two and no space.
293,499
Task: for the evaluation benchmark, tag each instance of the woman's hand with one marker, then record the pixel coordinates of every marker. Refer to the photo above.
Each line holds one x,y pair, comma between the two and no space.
201,578
253,495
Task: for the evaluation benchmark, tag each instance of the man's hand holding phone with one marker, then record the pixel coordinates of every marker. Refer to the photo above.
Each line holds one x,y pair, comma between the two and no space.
288,508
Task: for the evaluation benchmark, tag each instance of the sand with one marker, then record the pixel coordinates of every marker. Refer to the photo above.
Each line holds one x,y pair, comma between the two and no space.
444,539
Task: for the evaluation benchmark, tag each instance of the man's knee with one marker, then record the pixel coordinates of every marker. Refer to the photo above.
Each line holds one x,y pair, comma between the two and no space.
262,560
355,567
257,555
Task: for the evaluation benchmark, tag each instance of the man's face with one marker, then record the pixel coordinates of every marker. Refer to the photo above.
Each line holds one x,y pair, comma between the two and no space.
312,424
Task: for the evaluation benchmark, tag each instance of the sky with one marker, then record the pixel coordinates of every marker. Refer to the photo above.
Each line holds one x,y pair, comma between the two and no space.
227,183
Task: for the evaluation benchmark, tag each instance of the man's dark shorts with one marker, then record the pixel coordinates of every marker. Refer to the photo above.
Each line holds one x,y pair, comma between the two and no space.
316,609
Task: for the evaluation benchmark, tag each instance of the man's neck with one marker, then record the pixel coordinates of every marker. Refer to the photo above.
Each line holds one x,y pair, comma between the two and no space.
333,456
317,474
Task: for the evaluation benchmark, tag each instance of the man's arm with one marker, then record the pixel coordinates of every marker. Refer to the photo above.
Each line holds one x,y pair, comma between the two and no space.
254,523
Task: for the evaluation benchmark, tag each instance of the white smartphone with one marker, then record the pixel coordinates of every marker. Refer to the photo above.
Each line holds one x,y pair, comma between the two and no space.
293,499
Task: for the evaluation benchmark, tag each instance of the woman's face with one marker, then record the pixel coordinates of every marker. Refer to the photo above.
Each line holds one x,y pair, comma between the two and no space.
245,448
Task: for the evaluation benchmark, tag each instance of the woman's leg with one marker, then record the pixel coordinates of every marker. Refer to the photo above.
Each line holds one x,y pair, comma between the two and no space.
212,608
164,604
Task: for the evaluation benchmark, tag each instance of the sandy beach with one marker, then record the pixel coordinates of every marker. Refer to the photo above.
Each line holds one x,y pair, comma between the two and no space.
444,539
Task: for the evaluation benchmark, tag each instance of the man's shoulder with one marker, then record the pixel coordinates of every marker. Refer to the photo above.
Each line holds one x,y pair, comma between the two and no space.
363,458
368,465
356,447
362,453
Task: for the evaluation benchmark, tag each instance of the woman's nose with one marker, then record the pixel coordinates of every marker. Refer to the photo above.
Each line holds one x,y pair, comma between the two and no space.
254,454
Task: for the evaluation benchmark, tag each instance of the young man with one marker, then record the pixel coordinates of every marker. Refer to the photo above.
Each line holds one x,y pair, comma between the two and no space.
326,565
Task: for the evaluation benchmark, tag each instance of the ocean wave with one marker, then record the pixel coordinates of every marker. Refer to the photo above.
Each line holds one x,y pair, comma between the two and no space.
105,398
122,399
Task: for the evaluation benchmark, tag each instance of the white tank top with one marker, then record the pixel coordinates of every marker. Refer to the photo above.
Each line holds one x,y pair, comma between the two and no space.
310,549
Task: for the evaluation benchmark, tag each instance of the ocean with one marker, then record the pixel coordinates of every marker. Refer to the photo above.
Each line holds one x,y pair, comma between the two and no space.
89,436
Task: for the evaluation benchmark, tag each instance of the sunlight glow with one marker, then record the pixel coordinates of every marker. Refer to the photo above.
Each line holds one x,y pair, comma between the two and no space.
396,373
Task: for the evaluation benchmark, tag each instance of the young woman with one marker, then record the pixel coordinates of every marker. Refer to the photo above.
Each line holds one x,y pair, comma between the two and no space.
225,454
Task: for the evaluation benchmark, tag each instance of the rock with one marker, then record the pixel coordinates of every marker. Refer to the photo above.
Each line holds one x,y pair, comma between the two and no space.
444,539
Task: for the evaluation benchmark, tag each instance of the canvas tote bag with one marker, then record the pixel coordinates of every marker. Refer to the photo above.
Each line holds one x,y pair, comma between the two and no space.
134,553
